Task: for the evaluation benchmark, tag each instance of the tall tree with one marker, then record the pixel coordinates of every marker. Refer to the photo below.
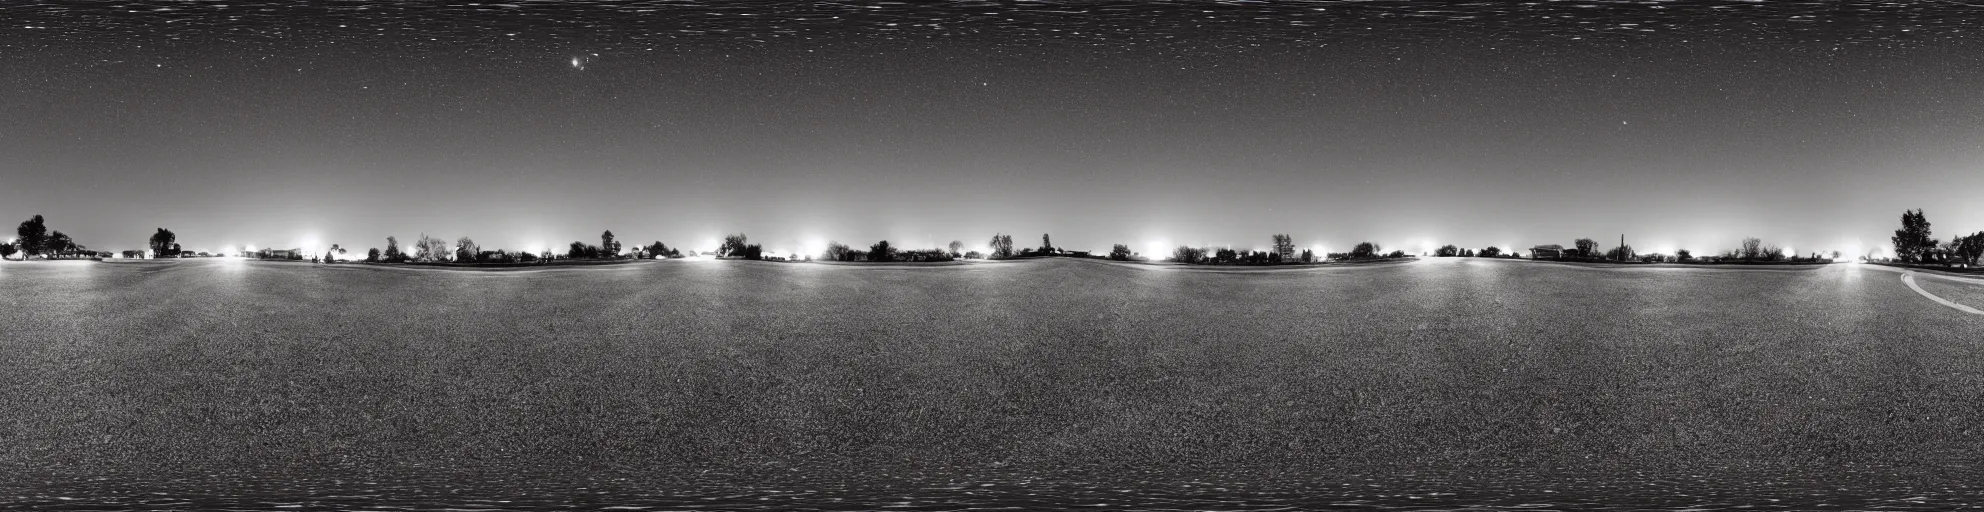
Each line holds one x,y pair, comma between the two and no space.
430,249
881,251
1912,241
33,235
956,248
733,245
1365,250
1284,246
466,249
162,241
608,245
836,251
1002,246
1752,248
59,244
393,253
1587,247
1046,243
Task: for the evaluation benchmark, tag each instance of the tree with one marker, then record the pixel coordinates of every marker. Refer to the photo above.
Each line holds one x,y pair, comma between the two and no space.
881,252
59,243
1971,249
466,249
1284,246
1587,247
836,251
7,250
162,241
33,236
956,248
1120,252
1490,252
1002,246
1188,254
1447,251
1751,249
430,249
657,250
1621,253
578,250
1365,250
393,253
330,256
733,245
1683,255
372,255
753,252
1308,256
1912,241
1046,244
607,245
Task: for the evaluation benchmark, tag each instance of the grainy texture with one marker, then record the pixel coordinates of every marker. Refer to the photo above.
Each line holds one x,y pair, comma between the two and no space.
257,369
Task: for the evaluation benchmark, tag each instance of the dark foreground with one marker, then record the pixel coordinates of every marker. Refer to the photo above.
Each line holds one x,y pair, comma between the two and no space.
1031,385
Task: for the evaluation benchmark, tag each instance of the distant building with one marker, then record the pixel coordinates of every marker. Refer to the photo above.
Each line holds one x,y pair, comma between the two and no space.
281,254
1546,251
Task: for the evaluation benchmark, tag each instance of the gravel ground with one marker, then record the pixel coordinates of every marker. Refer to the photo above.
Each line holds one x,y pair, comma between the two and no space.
200,366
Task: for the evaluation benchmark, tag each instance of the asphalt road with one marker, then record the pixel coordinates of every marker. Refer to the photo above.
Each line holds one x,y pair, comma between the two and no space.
277,368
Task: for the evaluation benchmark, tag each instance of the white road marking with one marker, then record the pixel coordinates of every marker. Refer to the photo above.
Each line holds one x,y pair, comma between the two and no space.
1909,279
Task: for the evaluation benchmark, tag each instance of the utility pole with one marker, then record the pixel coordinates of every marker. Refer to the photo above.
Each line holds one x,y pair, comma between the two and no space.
1622,247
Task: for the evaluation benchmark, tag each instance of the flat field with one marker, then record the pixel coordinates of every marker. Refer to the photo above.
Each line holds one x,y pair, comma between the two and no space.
1448,381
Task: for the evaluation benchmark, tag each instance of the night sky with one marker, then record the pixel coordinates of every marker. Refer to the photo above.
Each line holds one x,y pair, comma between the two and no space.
533,124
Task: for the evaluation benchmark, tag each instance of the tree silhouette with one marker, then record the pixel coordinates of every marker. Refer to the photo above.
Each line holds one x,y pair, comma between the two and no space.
1188,254
608,245
1046,244
32,236
1912,241
1284,246
881,252
733,245
393,253
430,249
1002,246
466,249
1120,252
59,243
1587,247
1751,249
161,242
956,247
836,251
1365,250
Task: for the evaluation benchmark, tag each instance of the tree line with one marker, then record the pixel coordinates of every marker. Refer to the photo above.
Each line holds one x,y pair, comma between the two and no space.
1913,244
